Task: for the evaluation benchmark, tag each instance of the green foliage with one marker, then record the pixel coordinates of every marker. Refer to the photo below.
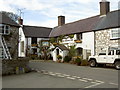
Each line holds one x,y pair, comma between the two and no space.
71,35
53,40
60,38
78,60
72,51
67,58
84,63
11,15
59,57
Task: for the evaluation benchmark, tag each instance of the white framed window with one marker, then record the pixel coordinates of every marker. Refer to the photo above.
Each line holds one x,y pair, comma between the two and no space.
4,29
115,33
79,36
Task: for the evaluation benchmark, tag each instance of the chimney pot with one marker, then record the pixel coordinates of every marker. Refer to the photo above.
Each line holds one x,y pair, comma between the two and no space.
20,21
61,20
104,7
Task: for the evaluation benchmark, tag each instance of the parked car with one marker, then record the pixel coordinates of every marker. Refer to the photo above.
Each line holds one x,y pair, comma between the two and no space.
111,56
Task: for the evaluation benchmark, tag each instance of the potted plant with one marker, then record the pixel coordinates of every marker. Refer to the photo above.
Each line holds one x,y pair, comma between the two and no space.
78,61
59,57
67,59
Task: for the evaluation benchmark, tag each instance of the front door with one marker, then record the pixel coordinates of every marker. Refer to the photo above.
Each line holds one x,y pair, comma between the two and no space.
102,58
110,58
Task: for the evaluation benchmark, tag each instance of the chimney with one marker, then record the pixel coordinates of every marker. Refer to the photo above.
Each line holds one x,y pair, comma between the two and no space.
61,20
20,21
104,7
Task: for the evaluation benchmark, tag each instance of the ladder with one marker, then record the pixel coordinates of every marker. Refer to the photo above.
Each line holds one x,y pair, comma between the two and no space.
5,53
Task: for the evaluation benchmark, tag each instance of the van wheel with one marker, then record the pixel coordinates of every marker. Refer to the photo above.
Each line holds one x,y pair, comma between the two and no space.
92,63
117,65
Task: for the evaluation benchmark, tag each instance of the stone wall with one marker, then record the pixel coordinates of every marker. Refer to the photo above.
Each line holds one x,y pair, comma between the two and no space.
12,41
102,40
15,66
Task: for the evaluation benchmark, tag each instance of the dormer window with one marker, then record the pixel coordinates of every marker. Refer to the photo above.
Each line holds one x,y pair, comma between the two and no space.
4,29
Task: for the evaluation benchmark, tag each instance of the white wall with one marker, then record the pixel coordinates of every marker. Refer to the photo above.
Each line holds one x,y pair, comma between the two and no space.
88,41
63,53
29,41
21,38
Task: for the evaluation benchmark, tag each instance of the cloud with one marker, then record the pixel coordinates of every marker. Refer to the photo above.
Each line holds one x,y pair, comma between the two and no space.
4,6
50,9
48,23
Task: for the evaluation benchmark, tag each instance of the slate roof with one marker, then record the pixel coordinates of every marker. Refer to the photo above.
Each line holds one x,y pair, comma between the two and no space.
84,25
35,31
112,19
4,19
62,47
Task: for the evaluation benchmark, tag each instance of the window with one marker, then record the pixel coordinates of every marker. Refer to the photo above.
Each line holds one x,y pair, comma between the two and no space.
117,52
102,53
115,33
111,52
4,29
34,51
45,43
79,36
34,40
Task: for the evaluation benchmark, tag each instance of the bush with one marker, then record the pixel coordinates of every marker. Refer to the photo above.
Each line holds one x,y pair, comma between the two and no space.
84,63
67,58
59,57
78,60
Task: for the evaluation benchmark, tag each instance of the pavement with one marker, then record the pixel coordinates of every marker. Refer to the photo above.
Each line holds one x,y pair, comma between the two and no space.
62,75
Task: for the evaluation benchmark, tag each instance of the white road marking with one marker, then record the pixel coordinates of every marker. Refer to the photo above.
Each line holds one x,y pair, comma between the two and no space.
70,78
66,75
45,73
114,84
60,76
93,82
78,77
57,73
74,76
83,80
94,85
52,74
99,81
89,79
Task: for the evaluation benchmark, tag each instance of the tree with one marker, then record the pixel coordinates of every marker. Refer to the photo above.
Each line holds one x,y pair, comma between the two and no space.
44,51
11,15
72,51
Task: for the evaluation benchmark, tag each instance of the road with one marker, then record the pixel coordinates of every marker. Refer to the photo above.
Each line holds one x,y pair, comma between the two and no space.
62,75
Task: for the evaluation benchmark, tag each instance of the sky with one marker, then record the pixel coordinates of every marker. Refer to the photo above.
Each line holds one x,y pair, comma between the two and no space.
45,12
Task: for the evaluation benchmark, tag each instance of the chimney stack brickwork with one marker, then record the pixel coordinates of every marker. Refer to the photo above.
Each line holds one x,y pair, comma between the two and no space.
20,21
61,20
104,7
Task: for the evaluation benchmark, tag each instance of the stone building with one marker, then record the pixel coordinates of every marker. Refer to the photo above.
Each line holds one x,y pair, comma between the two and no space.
107,32
9,37
90,35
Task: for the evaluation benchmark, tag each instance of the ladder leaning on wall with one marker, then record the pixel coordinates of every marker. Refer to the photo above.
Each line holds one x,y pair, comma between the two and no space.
5,50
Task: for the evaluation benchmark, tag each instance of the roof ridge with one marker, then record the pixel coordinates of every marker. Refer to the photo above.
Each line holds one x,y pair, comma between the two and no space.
3,14
80,20
37,26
